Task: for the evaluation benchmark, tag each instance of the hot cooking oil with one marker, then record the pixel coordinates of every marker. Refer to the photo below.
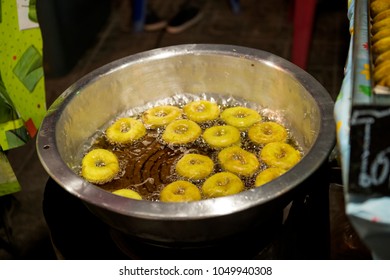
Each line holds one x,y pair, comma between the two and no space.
148,164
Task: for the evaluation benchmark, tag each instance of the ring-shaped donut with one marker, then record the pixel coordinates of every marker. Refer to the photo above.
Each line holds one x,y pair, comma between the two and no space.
238,161
266,132
125,131
161,115
278,154
222,136
201,111
268,175
222,184
180,191
128,193
194,166
240,117
181,132
99,166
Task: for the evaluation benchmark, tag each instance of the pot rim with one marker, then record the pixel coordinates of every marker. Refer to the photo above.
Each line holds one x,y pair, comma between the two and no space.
91,194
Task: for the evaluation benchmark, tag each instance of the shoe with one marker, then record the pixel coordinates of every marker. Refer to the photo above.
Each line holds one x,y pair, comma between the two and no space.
186,18
153,22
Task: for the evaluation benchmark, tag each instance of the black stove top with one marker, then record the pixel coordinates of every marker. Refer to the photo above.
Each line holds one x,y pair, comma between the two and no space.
305,233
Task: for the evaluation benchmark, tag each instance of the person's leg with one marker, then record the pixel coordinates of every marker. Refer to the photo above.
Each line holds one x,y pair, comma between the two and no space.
153,21
124,9
189,14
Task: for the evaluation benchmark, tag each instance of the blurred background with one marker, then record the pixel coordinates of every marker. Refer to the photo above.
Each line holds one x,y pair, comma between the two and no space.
82,35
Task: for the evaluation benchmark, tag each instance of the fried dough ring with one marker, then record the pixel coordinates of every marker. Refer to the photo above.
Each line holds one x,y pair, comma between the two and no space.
181,132
381,15
377,7
380,25
125,131
381,72
278,154
266,132
161,115
240,117
201,111
222,184
268,175
99,166
180,191
194,166
238,161
381,58
222,136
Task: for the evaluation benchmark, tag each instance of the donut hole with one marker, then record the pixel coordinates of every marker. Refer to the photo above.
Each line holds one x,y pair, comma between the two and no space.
240,158
195,162
179,191
100,163
200,108
268,131
223,182
181,129
160,114
220,133
125,127
241,115
281,154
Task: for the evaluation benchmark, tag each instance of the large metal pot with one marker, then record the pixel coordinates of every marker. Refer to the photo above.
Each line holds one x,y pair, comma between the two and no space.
305,106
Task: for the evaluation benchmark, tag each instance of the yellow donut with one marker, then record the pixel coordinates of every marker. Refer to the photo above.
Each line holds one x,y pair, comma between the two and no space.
222,184
238,161
194,166
240,117
222,136
266,132
99,166
128,193
381,58
181,132
161,115
268,175
381,15
125,130
201,111
180,191
382,71
376,7
380,25
382,34
278,154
